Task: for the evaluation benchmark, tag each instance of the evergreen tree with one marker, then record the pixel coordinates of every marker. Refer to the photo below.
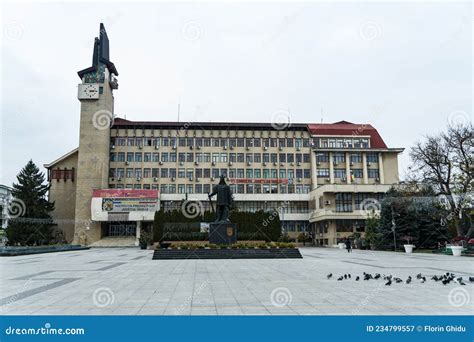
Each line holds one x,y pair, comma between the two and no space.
417,216
32,223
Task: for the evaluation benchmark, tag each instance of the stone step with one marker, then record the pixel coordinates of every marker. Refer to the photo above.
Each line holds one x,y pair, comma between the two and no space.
273,253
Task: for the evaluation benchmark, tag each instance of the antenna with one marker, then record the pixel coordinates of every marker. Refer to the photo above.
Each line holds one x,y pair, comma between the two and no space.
321,114
179,105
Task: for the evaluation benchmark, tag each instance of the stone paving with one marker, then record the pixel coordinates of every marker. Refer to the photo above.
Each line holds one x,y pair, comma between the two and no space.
115,281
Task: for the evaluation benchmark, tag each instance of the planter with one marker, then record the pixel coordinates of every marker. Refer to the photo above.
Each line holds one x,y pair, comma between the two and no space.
408,248
456,250
143,245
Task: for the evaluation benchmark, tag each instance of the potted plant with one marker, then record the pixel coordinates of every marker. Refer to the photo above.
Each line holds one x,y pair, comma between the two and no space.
143,240
408,247
457,247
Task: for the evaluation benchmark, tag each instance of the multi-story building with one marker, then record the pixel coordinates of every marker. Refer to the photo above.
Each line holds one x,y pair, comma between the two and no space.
315,175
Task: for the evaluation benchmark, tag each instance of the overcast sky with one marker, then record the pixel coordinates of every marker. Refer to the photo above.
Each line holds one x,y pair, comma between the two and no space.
404,68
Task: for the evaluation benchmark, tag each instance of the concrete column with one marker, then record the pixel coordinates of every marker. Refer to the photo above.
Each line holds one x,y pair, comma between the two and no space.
314,176
348,168
381,173
331,168
138,232
364,168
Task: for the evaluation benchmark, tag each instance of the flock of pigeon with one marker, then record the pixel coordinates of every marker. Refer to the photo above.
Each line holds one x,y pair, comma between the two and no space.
444,279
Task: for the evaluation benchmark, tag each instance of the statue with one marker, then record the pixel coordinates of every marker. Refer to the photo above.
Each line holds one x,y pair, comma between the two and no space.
224,200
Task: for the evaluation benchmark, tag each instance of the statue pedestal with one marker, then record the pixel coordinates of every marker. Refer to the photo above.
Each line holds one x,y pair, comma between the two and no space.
222,233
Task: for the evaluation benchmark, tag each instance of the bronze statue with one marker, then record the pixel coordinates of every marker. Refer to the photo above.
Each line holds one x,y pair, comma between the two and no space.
224,200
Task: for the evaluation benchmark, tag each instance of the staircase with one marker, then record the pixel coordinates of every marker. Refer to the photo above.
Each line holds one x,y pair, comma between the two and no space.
272,253
115,241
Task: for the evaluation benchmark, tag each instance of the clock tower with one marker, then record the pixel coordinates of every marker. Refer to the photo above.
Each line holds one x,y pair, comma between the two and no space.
95,92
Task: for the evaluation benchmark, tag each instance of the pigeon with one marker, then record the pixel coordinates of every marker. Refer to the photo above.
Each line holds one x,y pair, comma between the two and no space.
418,276
445,281
408,280
357,278
340,278
377,276
423,279
471,279
345,276
329,275
397,280
349,276
459,280
389,282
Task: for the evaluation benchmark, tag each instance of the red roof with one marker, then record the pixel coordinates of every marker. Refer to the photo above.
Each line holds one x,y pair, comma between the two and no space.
349,128
332,129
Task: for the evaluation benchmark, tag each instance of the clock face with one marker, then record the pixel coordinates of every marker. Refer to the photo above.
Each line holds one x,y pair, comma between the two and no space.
88,91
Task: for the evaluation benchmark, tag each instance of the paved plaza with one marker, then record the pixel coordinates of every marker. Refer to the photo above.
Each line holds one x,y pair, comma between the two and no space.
116,281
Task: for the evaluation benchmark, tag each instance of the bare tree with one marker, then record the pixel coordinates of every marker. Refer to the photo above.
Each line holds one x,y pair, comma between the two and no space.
445,161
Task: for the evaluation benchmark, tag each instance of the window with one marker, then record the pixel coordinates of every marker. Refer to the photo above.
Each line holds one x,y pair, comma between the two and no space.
121,156
257,157
112,156
172,157
282,142
147,157
305,157
357,173
274,158
289,142
198,188
198,173
129,173
164,157
356,158
120,173
290,157
130,157
256,173
299,173
181,157
249,157
240,142
164,173
322,172
181,173
266,158
340,173
206,173
146,173
266,173
155,157
339,158
138,157
372,158
373,173
240,157
232,157
343,202
249,173
282,157
282,173
138,173
249,188
274,173
322,157
190,157
306,173
240,173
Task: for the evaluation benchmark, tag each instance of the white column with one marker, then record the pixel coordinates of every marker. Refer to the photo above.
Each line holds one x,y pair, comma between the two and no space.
364,168
331,168
348,169
139,225
381,173
314,176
